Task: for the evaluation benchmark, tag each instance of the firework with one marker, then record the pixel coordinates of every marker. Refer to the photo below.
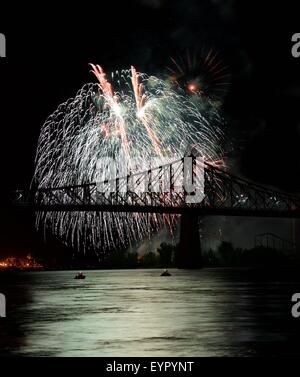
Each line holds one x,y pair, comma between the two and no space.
131,117
203,74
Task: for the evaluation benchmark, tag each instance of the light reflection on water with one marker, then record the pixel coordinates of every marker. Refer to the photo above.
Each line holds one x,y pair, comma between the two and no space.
211,312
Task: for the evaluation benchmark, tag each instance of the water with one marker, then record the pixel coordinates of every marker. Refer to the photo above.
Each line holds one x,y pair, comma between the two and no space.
210,312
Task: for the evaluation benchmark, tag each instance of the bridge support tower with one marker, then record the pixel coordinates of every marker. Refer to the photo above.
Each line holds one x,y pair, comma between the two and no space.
189,253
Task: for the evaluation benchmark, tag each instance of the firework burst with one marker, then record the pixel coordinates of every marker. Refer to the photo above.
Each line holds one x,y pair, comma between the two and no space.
204,74
131,117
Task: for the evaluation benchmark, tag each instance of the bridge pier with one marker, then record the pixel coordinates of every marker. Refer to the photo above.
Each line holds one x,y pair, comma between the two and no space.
189,253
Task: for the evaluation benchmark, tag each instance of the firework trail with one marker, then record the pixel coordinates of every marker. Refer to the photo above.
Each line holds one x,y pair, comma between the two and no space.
130,116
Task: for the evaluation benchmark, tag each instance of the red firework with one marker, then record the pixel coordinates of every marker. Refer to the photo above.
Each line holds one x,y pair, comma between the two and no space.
201,73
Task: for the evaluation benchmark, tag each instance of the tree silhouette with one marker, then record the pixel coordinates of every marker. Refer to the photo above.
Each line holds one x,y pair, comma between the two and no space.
166,252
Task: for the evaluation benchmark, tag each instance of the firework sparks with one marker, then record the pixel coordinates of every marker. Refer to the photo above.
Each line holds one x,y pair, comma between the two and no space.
131,116
205,75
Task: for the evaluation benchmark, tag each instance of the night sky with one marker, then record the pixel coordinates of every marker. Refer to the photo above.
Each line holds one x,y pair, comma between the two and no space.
48,51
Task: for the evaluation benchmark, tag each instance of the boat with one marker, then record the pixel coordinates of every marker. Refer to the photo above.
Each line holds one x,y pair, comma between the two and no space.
165,273
79,275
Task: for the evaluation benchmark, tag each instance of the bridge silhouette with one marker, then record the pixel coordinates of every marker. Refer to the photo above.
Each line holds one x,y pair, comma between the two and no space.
270,240
163,190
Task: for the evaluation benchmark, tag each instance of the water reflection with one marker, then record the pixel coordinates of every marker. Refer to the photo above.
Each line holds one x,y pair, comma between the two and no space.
212,312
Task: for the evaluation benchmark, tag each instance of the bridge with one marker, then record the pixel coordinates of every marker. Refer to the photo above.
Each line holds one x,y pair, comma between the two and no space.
272,241
187,186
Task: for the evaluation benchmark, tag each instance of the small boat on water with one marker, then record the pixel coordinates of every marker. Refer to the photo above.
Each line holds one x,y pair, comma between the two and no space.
165,273
79,275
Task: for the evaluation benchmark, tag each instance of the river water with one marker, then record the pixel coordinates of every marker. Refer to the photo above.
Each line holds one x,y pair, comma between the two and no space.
209,312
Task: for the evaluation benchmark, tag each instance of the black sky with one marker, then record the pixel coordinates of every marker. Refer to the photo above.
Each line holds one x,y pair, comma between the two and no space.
48,51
